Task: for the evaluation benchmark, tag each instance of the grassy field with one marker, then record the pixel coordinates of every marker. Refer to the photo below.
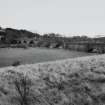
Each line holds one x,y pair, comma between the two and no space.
34,55
77,81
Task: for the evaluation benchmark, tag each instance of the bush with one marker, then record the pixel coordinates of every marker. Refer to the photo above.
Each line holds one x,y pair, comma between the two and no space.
23,91
16,63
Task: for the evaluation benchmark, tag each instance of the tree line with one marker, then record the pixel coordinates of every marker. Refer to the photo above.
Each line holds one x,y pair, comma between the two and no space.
50,40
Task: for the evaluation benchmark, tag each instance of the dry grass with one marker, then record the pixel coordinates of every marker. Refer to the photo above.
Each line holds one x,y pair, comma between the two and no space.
78,81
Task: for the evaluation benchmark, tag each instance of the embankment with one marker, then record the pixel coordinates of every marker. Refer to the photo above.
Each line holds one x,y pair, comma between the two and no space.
78,81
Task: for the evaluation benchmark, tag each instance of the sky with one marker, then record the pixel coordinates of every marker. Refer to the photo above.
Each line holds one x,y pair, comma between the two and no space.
67,17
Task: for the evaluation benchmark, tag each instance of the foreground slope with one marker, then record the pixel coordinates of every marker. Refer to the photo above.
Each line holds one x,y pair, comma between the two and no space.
78,81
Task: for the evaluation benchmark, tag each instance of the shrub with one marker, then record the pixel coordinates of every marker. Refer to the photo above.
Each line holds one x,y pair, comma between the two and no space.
16,63
23,92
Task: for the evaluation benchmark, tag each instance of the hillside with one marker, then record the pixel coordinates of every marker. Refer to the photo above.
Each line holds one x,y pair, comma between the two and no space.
20,38
78,81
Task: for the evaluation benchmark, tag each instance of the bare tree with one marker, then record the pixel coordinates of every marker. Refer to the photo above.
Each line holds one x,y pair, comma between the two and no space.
23,87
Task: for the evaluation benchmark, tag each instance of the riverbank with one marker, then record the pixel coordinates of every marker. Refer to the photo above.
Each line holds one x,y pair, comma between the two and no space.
77,81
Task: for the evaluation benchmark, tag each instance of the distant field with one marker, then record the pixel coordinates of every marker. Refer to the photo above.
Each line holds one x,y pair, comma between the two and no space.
34,55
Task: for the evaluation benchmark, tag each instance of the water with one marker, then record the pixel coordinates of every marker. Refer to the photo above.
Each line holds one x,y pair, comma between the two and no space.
34,55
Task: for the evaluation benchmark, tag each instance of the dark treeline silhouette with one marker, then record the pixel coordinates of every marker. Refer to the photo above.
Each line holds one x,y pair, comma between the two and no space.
24,38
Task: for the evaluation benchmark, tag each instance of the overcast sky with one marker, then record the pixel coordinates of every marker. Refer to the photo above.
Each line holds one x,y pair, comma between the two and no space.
60,16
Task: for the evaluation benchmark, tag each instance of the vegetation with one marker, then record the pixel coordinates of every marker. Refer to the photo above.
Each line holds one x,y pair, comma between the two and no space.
51,40
78,81
17,63
24,90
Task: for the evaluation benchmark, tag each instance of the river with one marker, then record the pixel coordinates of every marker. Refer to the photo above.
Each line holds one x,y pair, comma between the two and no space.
35,55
